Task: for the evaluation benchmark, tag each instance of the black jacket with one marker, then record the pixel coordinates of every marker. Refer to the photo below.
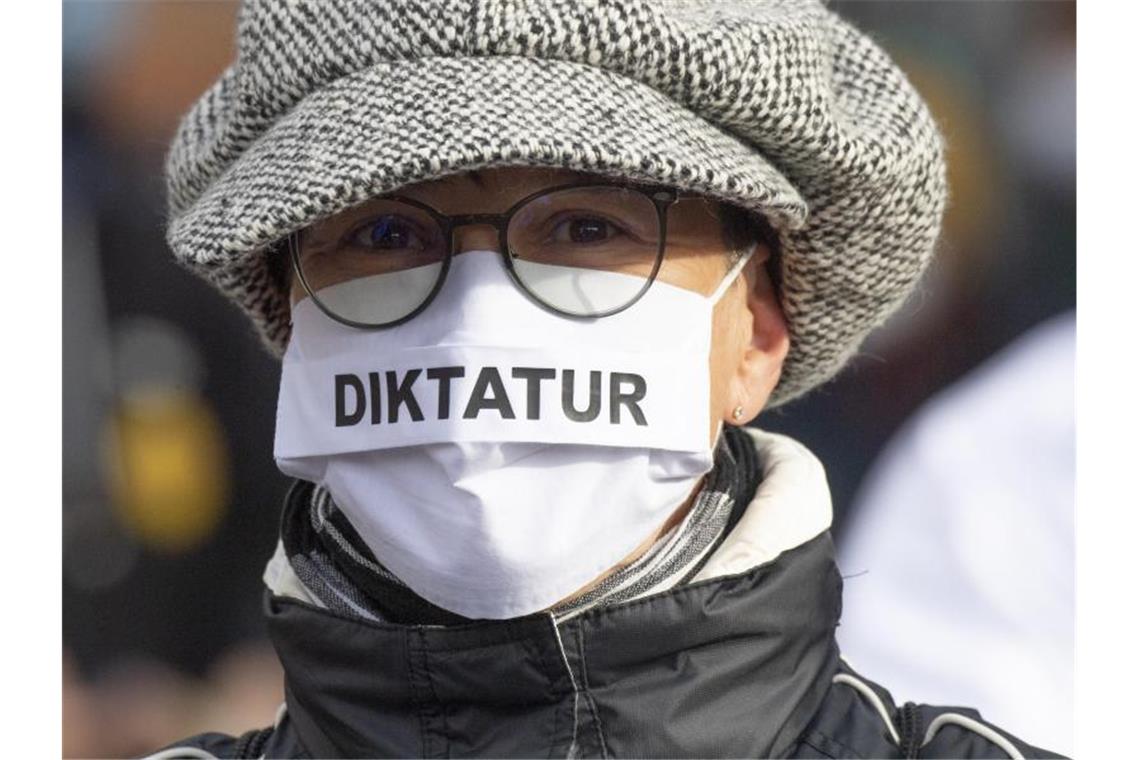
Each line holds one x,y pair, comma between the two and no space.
739,666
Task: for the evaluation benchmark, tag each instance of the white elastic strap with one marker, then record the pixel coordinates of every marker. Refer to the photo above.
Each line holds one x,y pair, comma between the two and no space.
730,278
173,753
871,697
573,683
978,728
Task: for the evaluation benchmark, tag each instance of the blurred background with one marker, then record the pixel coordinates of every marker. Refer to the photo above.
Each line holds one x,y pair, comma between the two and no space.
171,497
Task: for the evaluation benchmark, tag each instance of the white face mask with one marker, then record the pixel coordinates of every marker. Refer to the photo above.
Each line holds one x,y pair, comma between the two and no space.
494,455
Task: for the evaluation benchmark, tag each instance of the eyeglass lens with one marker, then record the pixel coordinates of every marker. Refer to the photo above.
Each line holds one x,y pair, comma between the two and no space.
581,251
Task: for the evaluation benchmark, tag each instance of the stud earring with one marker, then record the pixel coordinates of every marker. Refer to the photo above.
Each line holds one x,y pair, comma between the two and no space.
737,413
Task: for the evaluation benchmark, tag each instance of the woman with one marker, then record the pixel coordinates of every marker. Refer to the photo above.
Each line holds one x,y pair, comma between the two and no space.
530,267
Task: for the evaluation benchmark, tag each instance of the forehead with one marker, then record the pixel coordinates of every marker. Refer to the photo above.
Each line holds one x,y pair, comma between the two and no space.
478,191
492,189
495,189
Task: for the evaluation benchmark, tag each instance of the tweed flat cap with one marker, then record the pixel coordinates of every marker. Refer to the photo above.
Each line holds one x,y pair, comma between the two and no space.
779,107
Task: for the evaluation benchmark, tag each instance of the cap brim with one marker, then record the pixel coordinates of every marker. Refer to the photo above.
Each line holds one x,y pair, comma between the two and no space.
402,122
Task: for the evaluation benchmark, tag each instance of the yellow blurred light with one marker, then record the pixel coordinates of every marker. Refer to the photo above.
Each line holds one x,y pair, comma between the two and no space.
169,476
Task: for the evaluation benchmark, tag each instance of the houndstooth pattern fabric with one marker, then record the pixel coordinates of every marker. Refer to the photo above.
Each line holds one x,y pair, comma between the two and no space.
778,106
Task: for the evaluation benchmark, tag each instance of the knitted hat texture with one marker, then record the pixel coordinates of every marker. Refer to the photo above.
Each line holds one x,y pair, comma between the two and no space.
780,107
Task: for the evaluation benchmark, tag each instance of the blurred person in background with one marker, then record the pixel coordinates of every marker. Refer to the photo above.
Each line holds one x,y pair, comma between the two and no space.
164,510
965,541
518,353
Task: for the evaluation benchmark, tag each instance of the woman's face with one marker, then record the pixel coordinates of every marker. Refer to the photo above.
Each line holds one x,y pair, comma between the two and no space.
749,339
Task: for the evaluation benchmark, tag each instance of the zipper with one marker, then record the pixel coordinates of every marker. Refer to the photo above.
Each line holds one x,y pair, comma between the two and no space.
910,730
251,743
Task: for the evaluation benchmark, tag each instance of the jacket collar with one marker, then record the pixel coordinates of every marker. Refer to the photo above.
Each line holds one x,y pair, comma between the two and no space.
734,663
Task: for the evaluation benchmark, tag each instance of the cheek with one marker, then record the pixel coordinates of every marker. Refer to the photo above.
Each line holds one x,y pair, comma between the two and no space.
729,341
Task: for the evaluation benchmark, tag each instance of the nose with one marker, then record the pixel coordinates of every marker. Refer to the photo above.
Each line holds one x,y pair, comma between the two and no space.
475,237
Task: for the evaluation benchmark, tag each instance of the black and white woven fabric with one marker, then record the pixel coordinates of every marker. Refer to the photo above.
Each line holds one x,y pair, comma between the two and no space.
779,106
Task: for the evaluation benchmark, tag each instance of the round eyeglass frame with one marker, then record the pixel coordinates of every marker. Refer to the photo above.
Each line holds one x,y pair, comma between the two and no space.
662,198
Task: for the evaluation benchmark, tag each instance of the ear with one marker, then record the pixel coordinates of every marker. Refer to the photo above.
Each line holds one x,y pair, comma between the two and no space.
761,357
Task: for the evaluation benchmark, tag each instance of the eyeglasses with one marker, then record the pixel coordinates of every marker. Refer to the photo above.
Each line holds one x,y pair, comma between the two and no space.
582,250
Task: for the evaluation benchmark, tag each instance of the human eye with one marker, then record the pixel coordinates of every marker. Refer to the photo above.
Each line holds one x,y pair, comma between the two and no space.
390,232
583,228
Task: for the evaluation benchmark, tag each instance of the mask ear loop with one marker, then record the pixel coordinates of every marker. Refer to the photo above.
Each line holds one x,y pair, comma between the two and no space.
730,277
